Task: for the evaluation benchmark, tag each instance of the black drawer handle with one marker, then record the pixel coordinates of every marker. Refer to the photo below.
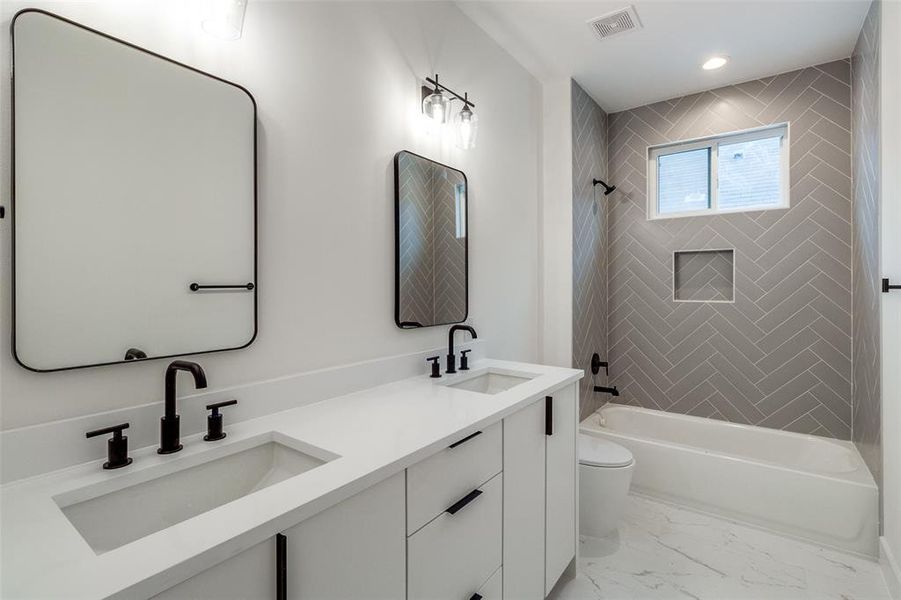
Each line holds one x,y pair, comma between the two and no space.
548,415
464,440
459,504
196,287
887,286
281,567
476,597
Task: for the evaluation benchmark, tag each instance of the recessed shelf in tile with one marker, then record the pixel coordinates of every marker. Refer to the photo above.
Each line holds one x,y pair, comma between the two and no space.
704,276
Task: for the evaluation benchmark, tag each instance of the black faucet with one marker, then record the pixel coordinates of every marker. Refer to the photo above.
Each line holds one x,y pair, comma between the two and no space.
451,357
169,427
607,390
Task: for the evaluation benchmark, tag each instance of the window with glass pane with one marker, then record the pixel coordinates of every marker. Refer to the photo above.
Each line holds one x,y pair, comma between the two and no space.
740,171
749,174
683,181
460,210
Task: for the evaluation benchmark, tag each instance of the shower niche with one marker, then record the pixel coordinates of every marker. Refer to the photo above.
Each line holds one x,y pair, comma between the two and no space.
704,275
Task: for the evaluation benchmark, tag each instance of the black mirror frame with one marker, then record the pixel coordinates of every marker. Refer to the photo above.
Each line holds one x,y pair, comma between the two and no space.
256,286
413,324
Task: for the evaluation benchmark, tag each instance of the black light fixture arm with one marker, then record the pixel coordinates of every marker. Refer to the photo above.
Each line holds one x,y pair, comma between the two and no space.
440,86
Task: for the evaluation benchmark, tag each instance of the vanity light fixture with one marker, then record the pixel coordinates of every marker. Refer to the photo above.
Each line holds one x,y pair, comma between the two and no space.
467,124
436,105
715,62
224,18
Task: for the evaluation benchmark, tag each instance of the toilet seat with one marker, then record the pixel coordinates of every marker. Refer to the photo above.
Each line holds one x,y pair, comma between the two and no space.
598,452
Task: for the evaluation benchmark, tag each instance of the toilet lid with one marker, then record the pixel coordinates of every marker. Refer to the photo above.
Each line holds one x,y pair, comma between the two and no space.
598,452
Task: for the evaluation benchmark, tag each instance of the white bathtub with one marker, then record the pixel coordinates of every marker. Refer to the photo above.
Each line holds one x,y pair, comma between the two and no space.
806,486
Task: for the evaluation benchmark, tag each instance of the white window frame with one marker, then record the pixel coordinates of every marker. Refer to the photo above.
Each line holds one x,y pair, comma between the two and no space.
713,143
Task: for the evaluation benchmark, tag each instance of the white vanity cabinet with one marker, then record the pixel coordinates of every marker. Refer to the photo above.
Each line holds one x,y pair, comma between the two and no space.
539,494
491,516
454,516
352,550
355,549
517,536
250,574
560,484
524,503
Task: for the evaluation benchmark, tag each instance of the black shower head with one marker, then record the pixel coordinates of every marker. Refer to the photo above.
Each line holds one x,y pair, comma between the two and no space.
608,189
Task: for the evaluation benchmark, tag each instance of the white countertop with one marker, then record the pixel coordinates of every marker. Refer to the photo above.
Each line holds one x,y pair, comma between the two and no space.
376,433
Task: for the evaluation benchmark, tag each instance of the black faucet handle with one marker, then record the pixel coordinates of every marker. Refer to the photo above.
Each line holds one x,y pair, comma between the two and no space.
214,420
217,405
116,446
436,368
464,360
116,430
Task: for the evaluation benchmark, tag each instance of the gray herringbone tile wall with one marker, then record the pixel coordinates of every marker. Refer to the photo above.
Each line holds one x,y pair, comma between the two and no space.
417,252
866,369
704,276
589,139
780,355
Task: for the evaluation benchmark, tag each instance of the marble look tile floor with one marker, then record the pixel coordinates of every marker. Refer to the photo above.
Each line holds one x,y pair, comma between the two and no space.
662,551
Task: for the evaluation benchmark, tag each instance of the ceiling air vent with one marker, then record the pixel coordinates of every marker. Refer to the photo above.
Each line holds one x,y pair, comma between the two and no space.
615,23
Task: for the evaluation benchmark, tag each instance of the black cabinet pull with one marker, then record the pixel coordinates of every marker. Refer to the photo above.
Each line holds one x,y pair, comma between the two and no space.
281,567
459,504
476,596
196,287
887,287
464,440
548,415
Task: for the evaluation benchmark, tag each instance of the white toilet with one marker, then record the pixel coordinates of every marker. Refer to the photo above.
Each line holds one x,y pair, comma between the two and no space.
605,472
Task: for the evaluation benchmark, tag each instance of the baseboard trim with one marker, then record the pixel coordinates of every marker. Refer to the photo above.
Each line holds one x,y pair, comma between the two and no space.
891,570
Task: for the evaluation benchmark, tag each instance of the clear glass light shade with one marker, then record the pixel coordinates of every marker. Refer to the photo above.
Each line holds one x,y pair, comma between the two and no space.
436,107
224,19
467,125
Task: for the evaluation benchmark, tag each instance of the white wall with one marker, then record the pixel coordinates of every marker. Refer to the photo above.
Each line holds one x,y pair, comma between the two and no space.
556,216
891,303
337,88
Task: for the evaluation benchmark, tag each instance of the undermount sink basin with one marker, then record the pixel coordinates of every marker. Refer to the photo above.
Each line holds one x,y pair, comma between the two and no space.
108,519
492,381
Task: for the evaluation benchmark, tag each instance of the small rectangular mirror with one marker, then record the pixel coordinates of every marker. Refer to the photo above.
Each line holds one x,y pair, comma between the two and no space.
134,214
431,249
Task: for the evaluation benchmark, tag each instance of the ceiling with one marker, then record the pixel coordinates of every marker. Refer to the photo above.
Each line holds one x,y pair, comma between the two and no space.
662,60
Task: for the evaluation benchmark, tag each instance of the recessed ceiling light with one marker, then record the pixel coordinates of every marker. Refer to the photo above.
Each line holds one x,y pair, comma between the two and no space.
715,63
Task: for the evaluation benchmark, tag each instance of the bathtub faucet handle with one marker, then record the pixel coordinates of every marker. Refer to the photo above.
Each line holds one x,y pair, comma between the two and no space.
597,363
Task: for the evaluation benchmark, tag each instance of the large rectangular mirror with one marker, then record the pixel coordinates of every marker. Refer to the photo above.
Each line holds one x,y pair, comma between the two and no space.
431,250
134,214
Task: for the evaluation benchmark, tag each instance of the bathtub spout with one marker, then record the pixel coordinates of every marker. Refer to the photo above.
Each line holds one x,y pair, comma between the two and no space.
607,390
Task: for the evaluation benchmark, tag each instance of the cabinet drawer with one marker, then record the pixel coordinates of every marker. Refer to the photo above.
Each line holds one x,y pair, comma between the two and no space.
493,588
455,554
442,479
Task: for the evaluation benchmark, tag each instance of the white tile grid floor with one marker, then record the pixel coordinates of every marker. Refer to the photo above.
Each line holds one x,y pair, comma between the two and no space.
662,551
